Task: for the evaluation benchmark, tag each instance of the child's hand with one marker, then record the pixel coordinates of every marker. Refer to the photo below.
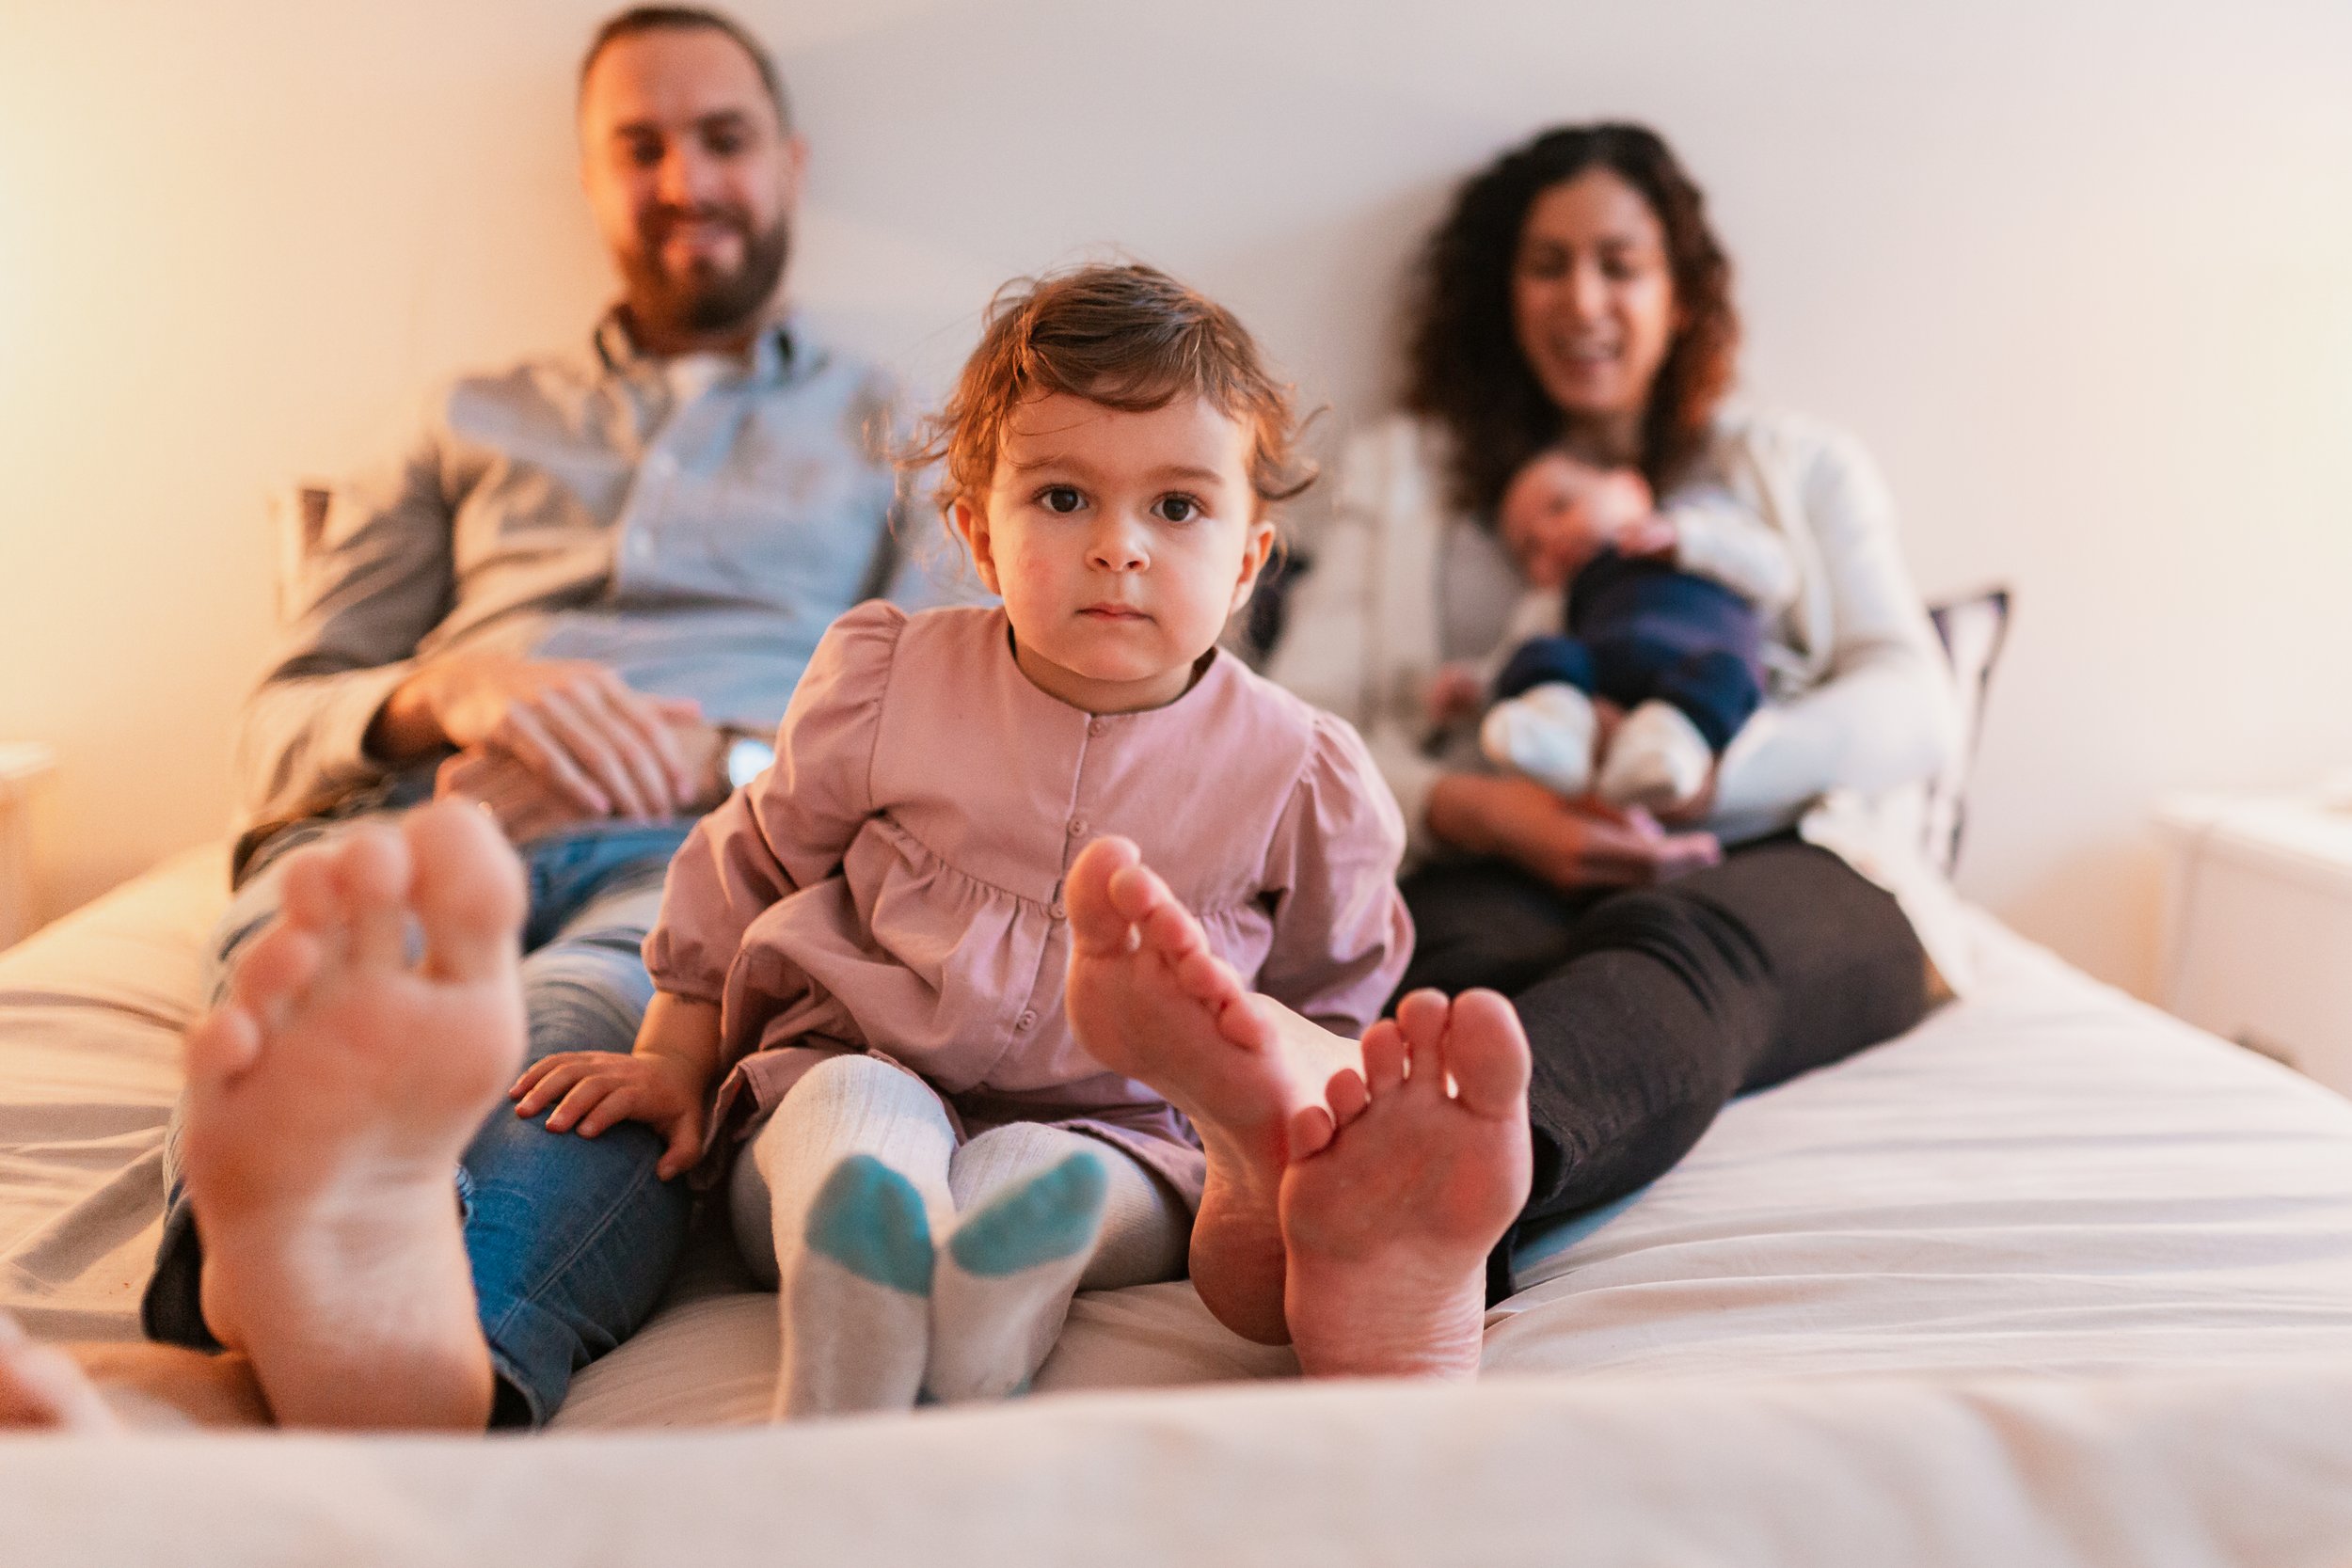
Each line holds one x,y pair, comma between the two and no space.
598,1088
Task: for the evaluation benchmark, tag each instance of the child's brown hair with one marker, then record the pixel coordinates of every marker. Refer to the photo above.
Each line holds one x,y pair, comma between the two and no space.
1128,337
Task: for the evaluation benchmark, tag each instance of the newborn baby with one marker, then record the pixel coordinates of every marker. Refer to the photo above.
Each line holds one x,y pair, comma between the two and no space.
1678,651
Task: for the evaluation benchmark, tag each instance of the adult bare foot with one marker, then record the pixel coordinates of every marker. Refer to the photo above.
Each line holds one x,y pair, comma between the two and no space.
329,1097
1149,998
41,1387
1399,1186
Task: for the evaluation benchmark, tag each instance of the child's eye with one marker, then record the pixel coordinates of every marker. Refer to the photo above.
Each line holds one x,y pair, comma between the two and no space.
1060,499
1178,509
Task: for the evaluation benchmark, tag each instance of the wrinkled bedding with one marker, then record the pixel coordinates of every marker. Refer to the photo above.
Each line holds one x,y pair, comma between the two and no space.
2051,1278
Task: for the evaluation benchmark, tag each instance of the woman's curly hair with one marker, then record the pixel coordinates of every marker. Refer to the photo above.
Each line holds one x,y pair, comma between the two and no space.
1464,368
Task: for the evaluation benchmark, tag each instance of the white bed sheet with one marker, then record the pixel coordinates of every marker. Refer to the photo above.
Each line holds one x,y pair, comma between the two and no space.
1826,1336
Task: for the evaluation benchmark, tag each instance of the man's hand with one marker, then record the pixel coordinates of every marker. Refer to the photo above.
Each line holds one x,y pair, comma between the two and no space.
607,750
527,806
1570,843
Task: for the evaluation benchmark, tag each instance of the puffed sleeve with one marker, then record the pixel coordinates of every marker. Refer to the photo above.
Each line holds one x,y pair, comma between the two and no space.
1341,937
790,826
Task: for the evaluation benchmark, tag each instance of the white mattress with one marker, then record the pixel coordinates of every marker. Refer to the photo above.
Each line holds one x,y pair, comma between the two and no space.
2052,1252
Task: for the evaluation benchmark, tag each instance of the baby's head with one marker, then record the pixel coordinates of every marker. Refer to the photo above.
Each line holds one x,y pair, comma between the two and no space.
1112,454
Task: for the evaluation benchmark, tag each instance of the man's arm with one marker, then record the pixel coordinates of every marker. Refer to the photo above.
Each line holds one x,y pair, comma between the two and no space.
379,579
348,701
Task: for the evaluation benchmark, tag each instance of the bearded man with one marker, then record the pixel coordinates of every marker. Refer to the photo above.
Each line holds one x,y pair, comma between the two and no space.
586,576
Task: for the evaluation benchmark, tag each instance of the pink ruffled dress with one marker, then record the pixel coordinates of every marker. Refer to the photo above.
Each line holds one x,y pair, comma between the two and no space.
893,884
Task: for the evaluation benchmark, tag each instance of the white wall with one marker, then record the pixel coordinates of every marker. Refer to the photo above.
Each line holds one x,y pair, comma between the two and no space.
2081,274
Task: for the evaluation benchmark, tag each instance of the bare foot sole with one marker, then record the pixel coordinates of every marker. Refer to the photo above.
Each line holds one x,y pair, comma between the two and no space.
1399,1186
1148,998
42,1388
329,1097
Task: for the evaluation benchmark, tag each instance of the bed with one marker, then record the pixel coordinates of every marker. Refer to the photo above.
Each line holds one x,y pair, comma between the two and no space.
2053,1278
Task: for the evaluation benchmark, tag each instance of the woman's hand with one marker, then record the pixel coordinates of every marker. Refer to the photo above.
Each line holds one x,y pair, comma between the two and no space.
1570,843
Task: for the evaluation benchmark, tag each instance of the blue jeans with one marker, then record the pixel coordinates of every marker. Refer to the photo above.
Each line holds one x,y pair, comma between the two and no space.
572,1238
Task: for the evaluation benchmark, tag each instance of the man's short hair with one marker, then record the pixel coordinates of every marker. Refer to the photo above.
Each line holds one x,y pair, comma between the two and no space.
661,18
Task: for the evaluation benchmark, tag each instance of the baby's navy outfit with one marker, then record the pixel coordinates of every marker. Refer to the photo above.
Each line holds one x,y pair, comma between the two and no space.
1642,630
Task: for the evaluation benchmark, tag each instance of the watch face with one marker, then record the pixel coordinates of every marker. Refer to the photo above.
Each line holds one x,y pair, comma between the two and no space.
747,759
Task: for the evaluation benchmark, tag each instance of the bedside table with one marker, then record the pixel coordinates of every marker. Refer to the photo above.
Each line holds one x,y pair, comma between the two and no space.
22,769
2257,926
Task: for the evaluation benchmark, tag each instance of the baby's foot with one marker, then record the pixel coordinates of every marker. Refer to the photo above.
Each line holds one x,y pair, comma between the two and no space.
1657,760
1546,732
1149,998
42,1388
1398,1189
329,1097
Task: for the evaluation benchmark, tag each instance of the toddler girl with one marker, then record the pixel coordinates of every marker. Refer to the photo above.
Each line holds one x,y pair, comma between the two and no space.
865,947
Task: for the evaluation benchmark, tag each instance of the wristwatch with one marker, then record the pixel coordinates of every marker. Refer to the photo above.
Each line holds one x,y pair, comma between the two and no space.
742,755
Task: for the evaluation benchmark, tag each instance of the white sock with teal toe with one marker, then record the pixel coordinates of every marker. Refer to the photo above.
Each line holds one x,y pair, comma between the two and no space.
837,1201
857,1305
1006,1276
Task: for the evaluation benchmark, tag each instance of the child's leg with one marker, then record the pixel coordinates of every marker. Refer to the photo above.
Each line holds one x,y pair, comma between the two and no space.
1044,1212
836,1200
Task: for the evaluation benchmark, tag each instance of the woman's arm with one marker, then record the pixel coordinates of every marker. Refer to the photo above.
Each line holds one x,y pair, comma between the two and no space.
1570,843
1885,713
1345,645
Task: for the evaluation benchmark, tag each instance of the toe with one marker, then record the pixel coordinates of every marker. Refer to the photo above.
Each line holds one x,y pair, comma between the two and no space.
1095,924
221,1044
274,969
1485,1051
40,1386
1347,1095
307,894
1384,1057
1170,930
1310,1132
1420,1018
1137,893
469,891
371,871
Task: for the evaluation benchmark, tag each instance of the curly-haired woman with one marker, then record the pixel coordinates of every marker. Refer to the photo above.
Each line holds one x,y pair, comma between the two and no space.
1575,303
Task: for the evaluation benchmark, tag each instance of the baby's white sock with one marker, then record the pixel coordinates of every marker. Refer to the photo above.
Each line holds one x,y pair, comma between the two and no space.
1046,1211
1658,759
837,1201
1546,732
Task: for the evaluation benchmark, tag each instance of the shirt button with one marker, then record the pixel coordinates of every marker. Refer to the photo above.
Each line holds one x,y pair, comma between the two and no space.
1058,912
640,546
1028,1019
661,465
1096,726
1077,826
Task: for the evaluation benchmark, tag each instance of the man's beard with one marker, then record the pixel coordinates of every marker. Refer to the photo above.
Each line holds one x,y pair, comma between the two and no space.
700,303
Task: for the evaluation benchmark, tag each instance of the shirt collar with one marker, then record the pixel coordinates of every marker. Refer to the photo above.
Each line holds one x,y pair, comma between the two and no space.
783,349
